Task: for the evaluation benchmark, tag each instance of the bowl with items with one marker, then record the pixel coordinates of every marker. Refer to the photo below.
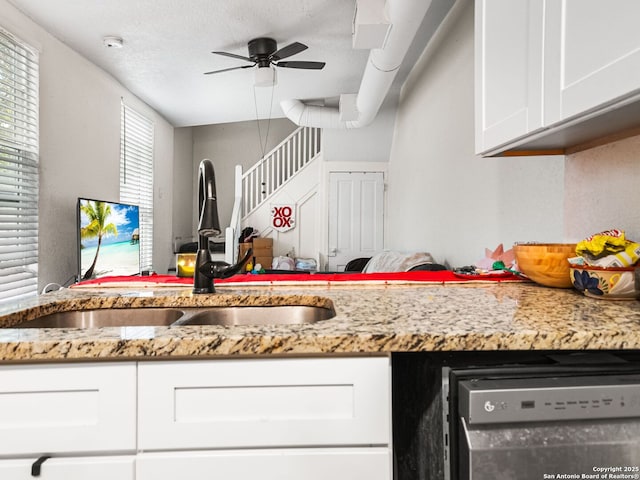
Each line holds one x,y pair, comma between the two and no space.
545,263
607,266
613,283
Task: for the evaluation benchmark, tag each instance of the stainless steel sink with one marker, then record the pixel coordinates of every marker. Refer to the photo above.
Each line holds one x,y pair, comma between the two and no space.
123,317
175,317
265,315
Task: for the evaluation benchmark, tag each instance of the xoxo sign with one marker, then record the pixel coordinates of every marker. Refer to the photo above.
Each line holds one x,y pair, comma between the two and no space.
283,217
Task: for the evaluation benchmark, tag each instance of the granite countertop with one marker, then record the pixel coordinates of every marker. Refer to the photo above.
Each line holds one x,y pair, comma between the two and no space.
369,319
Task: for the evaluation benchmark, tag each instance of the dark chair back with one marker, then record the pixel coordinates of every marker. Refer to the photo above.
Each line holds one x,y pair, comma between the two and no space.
356,265
431,267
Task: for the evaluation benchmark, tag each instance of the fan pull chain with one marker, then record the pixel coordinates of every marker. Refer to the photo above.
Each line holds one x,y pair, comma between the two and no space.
263,147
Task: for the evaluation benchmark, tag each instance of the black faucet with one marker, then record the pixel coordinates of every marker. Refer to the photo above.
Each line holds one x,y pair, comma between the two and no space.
208,226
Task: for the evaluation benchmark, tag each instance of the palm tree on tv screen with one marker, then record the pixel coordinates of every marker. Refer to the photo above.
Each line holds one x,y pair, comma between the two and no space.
97,214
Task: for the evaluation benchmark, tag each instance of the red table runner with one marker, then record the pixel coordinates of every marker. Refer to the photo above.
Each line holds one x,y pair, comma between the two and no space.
381,278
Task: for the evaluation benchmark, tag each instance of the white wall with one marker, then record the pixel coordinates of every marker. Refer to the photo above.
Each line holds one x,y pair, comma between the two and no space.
601,190
80,148
444,199
228,145
367,144
183,184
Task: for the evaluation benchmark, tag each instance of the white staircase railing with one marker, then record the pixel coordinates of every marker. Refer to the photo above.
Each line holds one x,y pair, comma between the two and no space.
232,231
278,166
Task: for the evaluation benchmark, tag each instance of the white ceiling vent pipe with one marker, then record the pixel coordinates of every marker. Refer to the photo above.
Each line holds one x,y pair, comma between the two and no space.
382,67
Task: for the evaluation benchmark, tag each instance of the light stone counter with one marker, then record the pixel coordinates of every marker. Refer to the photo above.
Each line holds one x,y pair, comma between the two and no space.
369,319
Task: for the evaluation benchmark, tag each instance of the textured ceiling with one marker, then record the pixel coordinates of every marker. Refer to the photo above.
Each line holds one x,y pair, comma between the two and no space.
168,44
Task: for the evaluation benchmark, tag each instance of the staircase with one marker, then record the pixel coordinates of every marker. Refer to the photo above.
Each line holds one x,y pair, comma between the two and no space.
284,165
276,168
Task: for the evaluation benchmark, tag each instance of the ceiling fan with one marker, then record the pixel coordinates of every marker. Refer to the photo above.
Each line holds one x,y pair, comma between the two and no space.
264,52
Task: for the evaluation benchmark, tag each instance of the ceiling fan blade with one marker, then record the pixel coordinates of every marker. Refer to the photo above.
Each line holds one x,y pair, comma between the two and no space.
228,69
233,55
306,65
291,49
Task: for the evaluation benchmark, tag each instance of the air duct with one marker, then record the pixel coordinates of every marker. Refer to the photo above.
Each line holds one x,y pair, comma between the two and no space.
382,66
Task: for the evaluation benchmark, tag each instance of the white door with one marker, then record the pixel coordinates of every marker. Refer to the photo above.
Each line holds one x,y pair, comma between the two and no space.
592,55
508,70
355,216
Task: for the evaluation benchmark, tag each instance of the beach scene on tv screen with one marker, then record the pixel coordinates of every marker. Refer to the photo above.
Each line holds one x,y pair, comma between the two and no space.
109,239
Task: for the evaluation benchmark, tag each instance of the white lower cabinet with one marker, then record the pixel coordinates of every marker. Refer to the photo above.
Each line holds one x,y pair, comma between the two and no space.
72,468
263,403
67,408
284,464
285,419
71,413
244,416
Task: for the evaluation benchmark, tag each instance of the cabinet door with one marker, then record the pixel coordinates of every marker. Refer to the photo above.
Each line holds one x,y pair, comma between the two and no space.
71,468
290,464
264,403
592,55
508,70
67,408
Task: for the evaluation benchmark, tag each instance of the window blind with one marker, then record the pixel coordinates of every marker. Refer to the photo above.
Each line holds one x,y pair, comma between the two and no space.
136,175
18,169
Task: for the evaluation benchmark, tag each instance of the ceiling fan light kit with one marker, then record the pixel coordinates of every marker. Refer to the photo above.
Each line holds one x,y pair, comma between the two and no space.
265,77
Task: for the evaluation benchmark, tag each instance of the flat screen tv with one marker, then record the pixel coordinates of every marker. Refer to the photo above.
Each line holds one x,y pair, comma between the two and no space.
108,239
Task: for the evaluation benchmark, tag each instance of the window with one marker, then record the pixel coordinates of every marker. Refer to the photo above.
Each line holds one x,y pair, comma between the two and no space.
18,169
136,175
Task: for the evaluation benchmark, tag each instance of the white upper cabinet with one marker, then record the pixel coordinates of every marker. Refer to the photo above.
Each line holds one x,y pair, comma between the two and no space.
592,55
508,66
552,74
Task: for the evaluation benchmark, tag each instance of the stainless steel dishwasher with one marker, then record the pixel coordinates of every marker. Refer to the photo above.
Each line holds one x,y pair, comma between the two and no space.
535,423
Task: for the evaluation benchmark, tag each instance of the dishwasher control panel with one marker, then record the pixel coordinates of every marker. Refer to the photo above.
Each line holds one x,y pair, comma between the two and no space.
490,401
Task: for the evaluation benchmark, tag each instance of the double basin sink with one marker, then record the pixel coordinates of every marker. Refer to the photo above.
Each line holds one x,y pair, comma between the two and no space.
175,317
